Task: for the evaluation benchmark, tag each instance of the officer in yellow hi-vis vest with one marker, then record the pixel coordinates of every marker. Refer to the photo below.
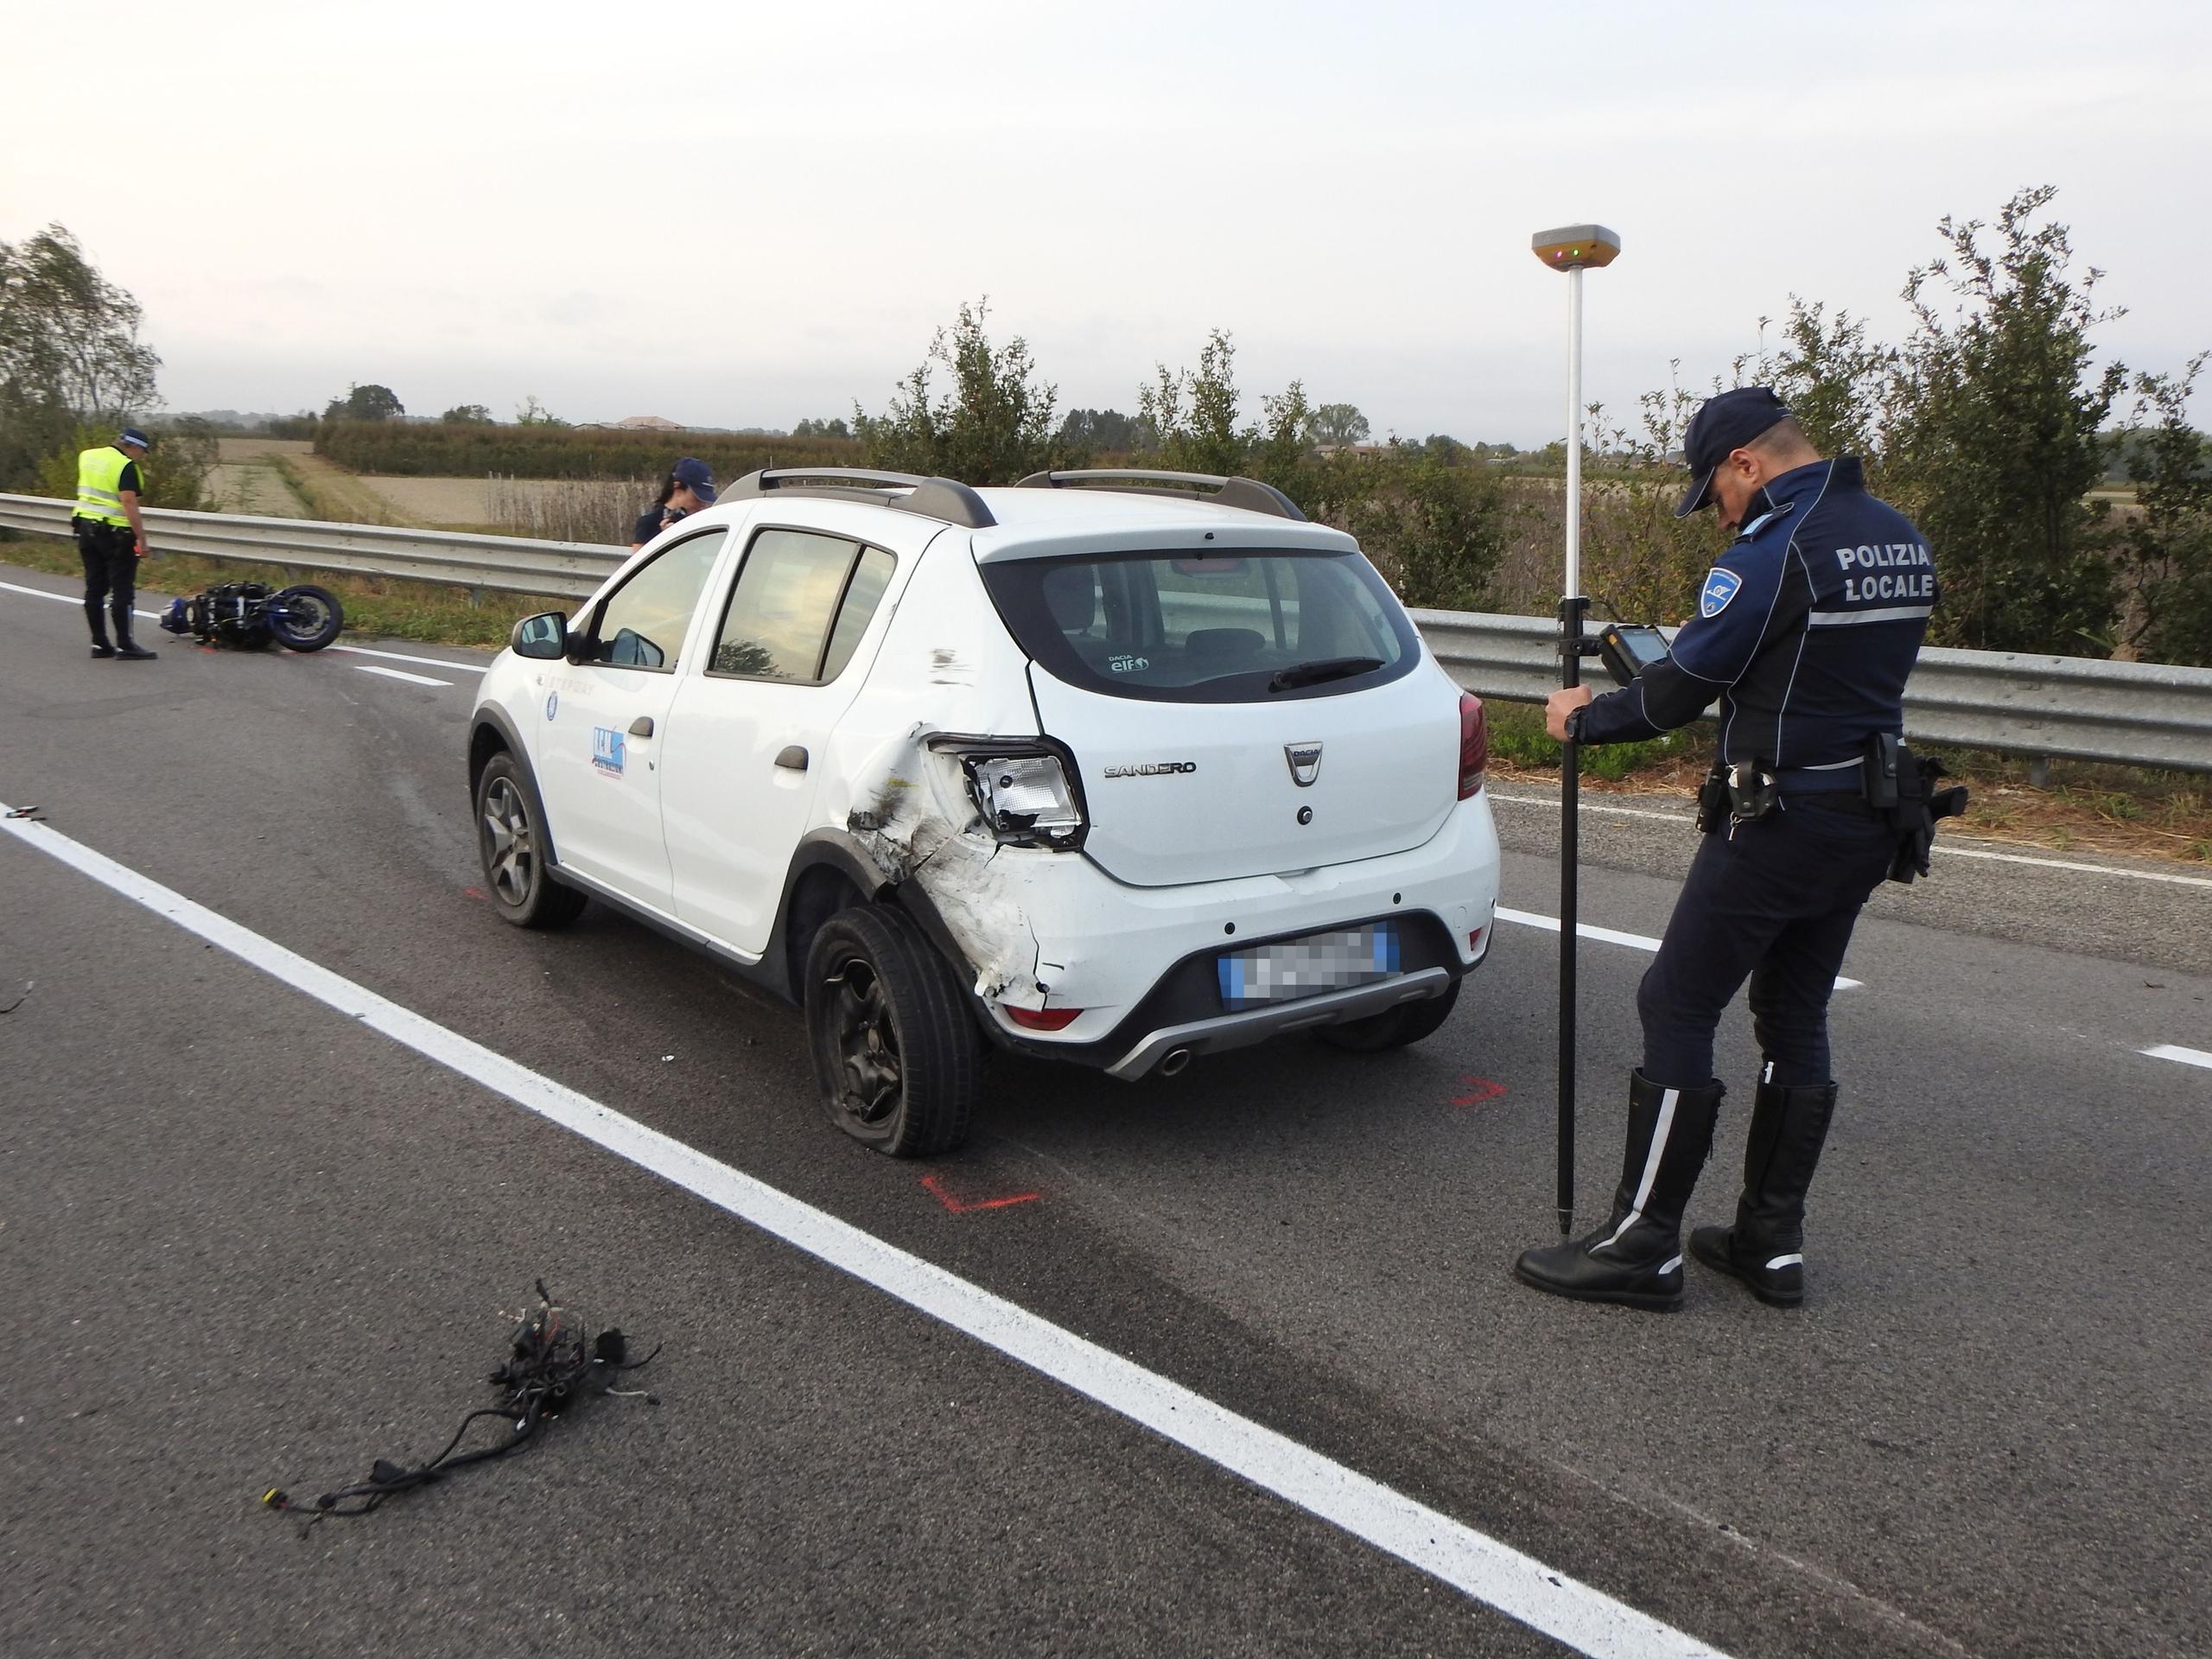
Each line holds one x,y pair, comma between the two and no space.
111,538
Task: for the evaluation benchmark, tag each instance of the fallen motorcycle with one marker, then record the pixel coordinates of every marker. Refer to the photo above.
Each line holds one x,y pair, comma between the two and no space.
248,615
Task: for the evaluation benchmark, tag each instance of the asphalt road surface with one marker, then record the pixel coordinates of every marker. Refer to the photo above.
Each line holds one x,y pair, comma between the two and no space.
249,1238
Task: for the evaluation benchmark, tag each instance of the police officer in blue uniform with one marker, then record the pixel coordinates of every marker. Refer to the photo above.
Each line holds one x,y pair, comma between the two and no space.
1805,632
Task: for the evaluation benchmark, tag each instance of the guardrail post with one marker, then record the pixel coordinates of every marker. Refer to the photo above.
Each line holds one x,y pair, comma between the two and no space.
2038,771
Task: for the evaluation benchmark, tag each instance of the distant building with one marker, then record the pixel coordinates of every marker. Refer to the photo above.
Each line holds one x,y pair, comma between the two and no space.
650,423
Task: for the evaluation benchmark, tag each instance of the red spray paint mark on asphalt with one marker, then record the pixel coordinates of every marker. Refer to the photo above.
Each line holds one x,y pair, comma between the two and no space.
478,893
1479,1090
935,1186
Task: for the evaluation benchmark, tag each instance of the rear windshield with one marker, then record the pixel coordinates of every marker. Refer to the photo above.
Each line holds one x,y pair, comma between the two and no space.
1225,627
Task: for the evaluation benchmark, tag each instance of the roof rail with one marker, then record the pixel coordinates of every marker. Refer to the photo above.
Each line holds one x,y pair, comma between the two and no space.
1246,492
930,498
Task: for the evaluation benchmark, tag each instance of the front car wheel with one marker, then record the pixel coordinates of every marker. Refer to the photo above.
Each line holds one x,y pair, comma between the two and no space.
511,840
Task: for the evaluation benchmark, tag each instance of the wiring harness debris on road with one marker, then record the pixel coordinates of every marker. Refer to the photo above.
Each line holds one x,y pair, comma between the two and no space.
549,1366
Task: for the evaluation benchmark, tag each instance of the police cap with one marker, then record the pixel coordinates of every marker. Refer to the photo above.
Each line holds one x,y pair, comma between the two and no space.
1725,422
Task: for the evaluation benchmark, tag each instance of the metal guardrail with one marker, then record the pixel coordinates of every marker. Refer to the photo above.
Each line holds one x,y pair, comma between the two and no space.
2081,708
2131,714
501,564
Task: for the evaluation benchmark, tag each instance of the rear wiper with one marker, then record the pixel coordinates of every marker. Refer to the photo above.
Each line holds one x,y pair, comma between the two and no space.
1329,667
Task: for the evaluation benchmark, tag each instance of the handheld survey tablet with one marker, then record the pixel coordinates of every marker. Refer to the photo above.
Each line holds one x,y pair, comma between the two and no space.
1577,247
1628,648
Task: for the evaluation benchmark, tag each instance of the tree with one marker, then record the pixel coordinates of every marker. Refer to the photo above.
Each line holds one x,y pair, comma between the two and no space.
1339,423
1835,382
360,402
1090,431
468,415
833,427
1993,444
69,336
69,352
993,427
1437,530
1192,415
1446,448
532,412
2166,549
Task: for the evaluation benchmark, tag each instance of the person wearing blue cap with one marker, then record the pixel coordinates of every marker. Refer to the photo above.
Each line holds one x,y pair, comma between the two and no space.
112,539
688,487
1804,634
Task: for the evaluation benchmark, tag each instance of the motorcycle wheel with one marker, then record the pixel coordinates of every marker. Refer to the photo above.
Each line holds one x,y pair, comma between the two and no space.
304,618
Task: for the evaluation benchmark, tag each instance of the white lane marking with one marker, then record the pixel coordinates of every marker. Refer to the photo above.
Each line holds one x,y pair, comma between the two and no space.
2069,864
398,674
402,657
1951,852
67,598
1495,1574
356,651
2186,1056
1608,936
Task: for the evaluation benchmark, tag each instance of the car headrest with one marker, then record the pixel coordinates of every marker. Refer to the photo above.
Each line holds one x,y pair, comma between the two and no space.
1072,594
1224,642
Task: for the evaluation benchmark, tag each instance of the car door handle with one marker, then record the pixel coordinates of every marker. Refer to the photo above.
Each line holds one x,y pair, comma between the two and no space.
793,759
642,726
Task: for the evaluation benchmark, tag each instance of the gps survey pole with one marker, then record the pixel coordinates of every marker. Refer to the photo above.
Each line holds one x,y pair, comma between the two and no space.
1572,248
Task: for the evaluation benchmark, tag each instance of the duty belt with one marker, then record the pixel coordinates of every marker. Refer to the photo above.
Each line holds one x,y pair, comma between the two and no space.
1846,780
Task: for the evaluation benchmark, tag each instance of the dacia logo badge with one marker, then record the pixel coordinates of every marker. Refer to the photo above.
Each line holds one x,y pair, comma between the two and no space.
1304,762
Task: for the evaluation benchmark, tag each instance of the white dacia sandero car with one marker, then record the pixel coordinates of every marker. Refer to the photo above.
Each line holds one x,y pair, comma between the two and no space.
1117,768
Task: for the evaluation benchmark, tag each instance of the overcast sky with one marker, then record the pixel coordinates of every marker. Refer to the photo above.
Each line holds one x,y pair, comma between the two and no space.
742,215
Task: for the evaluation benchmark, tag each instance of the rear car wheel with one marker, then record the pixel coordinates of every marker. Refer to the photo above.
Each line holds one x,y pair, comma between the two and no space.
511,839
896,1053
1396,1027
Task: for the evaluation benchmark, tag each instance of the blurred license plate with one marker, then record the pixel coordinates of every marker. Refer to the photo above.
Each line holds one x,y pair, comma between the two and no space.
1306,967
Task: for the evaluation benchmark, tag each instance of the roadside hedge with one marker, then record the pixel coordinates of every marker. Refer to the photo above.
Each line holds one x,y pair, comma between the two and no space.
410,449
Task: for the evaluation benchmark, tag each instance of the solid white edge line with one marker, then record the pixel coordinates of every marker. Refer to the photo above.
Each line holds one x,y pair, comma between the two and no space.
1495,1574
1953,851
66,599
398,674
1608,936
2175,1051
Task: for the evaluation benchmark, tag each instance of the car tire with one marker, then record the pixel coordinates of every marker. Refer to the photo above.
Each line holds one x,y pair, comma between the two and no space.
896,1053
1396,1027
510,843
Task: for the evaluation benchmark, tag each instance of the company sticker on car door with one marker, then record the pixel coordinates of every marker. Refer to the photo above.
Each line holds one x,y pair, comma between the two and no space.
607,746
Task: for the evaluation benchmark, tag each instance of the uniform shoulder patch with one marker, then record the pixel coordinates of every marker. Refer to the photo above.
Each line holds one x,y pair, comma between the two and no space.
1720,586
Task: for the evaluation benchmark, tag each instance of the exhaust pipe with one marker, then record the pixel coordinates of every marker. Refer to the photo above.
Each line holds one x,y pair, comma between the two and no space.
1176,1060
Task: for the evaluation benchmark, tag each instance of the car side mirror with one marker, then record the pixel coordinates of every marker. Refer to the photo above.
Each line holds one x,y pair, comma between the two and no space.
544,636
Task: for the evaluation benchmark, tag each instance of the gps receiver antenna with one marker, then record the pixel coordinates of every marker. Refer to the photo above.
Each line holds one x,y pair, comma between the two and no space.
1572,248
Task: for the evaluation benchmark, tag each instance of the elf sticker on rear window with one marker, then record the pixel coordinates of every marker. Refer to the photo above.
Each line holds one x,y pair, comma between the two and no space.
1721,587
1124,664
607,750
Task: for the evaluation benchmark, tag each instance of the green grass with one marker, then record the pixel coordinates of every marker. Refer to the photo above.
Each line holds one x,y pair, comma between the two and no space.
1517,734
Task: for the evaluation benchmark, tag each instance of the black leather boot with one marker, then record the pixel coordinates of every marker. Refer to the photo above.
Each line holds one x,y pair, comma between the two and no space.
1766,1247
1636,1258
130,650
97,615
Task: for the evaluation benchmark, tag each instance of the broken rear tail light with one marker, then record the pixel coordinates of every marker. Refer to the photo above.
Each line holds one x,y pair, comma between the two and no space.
1474,744
1026,789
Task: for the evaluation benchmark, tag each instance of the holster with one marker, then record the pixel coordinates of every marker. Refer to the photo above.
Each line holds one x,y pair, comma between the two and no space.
1913,804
